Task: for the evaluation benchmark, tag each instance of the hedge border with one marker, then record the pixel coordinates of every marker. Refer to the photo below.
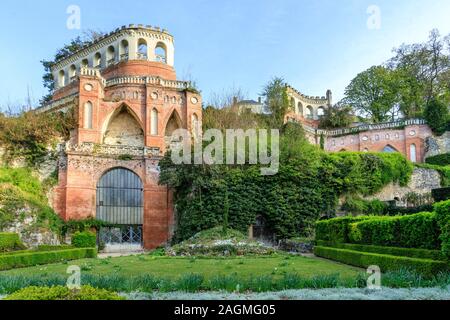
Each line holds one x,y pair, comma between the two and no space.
22,260
394,251
10,241
386,262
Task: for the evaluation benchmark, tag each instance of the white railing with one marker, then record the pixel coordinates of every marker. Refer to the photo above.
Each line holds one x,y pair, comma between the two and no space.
148,80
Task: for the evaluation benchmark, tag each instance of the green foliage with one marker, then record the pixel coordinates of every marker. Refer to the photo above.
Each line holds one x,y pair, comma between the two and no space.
72,226
393,251
29,134
356,205
10,242
21,195
439,160
336,230
442,210
414,231
437,116
441,194
306,187
84,240
277,100
373,93
28,259
63,293
338,116
386,262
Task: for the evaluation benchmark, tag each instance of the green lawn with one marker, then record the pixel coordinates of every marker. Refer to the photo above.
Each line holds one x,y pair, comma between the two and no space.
174,267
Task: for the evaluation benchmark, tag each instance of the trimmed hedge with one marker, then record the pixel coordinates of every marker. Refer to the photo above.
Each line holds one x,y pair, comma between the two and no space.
440,159
21,260
442,210
441,194
84,239
394,251
10,242
385,262
39,249
63,293
337,229
419,231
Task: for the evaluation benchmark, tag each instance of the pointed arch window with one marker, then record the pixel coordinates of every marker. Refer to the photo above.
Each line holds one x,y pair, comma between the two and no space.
412,153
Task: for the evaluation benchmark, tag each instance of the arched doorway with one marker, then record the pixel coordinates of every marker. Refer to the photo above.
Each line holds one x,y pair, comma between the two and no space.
120,203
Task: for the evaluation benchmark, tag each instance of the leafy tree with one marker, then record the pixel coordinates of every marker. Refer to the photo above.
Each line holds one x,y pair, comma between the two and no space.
337,116
68,49
374,93
437,116
424,70
277,100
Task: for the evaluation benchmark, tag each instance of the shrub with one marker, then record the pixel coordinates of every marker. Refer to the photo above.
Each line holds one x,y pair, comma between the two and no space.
414,231
385,262
442,210
84,239
439,160
441,194
337,229
10,242
436,114
28,259
394,251
63,293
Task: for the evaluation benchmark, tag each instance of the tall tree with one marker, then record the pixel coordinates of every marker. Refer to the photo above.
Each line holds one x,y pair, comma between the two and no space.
374,93
277,100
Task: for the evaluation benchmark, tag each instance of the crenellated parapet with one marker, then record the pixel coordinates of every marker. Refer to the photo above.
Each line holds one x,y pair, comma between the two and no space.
308,107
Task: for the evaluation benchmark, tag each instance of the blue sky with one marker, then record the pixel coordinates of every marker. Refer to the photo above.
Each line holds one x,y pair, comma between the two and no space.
314,45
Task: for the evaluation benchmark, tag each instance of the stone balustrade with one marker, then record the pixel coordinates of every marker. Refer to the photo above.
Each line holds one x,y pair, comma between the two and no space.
365,127
148,80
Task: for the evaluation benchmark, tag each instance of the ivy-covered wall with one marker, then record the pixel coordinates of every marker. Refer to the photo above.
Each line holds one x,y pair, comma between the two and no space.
307,187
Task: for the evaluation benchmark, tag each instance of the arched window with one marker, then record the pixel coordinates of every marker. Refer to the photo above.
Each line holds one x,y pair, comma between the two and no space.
85,63
62,78
195,127
124,50
309,112
161,52
320,112
300,108
72,73
110,55
97,60
412,153
389,149
142,49
88,115
154,123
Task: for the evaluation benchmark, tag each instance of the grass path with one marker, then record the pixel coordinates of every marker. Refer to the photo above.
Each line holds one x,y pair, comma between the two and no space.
174,267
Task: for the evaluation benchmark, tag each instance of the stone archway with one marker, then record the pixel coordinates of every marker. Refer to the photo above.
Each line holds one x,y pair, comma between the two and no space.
120,203
124,129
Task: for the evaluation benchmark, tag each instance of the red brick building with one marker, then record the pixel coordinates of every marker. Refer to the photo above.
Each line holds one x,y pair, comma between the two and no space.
128,101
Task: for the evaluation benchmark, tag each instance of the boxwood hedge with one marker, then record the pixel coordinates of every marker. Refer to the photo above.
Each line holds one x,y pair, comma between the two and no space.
395,251
385,262
28,259
442,210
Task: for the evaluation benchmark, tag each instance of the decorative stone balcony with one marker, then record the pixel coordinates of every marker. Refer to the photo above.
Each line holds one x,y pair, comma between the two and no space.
112,150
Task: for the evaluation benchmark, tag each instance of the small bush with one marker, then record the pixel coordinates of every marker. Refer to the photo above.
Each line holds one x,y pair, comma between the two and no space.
29,259
63,293
84,239
10,242
442,210
439,160
385,262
